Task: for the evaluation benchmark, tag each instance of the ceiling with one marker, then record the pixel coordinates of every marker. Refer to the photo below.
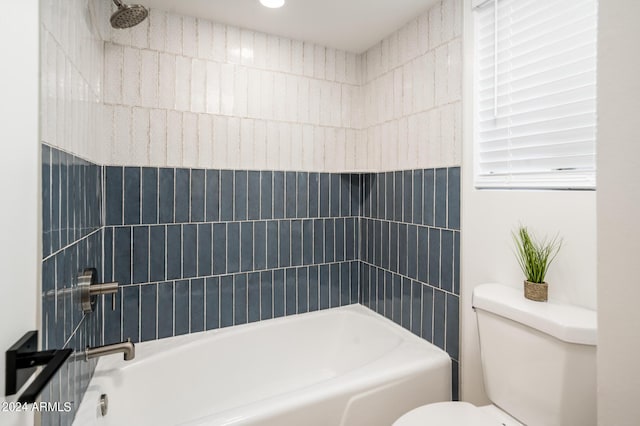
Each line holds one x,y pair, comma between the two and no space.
352,25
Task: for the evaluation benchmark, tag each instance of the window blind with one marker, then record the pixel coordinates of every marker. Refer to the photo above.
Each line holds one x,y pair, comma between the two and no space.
535,93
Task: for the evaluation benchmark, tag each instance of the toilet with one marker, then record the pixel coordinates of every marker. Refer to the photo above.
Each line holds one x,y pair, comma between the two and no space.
538,362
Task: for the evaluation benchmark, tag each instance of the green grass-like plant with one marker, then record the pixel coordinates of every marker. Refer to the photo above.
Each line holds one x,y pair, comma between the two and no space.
535,256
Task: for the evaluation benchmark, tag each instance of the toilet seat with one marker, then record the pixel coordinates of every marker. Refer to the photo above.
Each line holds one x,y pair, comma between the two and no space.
447,414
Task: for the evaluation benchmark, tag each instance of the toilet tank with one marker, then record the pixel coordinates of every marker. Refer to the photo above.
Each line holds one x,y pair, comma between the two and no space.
538,359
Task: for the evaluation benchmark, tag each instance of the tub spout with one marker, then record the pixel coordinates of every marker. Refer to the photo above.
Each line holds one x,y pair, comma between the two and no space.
127,348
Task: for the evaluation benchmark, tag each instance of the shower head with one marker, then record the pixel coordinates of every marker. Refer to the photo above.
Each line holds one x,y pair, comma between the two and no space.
127,15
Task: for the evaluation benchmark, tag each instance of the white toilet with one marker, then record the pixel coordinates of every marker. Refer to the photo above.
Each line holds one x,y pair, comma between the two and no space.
538,361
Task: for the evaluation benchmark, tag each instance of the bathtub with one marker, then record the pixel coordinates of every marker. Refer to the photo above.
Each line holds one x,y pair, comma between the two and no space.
342,366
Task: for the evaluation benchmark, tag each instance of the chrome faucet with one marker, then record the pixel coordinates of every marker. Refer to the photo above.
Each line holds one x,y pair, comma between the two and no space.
127,348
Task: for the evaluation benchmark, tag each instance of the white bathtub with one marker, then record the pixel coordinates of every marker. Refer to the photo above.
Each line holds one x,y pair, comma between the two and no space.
343,366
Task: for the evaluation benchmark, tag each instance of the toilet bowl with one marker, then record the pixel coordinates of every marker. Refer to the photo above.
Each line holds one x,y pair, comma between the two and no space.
538,363
456,414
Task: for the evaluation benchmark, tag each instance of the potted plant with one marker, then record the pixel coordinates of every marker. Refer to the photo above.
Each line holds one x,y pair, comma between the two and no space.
535,257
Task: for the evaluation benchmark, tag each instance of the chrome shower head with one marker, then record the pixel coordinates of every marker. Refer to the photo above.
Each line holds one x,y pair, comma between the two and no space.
127,15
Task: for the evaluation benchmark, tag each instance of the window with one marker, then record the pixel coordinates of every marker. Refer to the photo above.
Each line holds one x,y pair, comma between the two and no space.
535,93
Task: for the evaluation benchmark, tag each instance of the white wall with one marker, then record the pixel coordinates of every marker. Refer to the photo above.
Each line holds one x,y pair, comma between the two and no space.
489,216
618,213
412,90
19,182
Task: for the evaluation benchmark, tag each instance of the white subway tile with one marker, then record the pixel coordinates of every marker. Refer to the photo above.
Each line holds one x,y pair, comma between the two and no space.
448,12
106,136
407,82
280,84
253,93
273,145
246,47
260,50
412,39
423,33
267,95
174,139
240,92
227,85
157,30
435,26
319,60
205,39
413,141
273,52
430,80
149,75
220,142
335,105
131,77
167,81
447,130
303,100
442,75
346,99
339,153
189,140
213,87
140,35
233,143
398,92
319,150
423,139
233,45
394,51
174,34
183,83
119,36
291,98
307,147
384,55
260,147
205,141
246,144
140,137
341,66
284,54
457,134
351,69
189,37
308,57
403,143
454,84
198,85
114,61
297,57
219,42
350,151
296,149
403,45
330,64
433,139
158,138
121,142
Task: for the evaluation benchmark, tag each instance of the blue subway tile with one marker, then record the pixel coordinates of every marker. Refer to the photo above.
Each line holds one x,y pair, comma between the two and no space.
355,194
181,307
318,241
64,199
174,252
114,193
107,261
197,305
212,195
291,187
259,245
381,191
246,246
455,394
452,326
390,201
148,306
204,249
266,295
388,294
165,309
253,207
377,242
396,315
314,191
183,195
197,195
189,250
329,240
131,195
365,279
412,251
122,255
446,261
456,263
46,200
290,291
355,282
272,244
398,193
149,195
285,243
219,248
131,313
212,303
266,195
441,198
140,254
303,290
302,208
233,247
427,313
439,318
278,293
253,290
453,198
418,182
423,254
393,247
324,194
165,195
334,194
334,287
384,243
434,257
406,303
428,197
345,195
345,283
307,242
226,195
296,242
407,197
226,301
313,288
278,195
324,286
55,201
380,285
403,249
416,308
339,239
239,299
241,193
350,240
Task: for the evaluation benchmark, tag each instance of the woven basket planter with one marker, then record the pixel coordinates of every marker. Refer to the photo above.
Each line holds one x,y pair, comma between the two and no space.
536,291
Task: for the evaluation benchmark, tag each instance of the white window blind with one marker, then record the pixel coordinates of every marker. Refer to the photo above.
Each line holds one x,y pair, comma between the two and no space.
535,93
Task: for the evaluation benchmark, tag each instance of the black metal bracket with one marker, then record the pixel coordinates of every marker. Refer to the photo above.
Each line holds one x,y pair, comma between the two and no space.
22,360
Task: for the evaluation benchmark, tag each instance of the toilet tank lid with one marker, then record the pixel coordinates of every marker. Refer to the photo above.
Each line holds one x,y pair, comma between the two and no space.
572,324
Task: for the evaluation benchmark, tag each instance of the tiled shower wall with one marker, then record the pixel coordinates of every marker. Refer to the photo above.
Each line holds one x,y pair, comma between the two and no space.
197,249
